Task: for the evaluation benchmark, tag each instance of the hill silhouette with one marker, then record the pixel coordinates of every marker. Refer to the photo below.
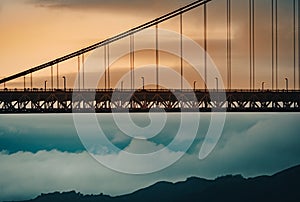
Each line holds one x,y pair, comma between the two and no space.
283,186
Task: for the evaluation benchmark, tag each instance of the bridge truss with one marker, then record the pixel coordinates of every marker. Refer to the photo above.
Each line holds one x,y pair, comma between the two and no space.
102,101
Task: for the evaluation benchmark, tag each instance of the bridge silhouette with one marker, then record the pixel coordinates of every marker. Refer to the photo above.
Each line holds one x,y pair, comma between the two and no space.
82,99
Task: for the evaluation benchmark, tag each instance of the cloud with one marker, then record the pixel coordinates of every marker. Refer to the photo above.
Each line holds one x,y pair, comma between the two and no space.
250,145
54,170
137,146
266,145
100,4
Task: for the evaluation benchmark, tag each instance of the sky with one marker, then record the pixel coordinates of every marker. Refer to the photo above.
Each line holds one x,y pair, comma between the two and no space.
44,153
34,32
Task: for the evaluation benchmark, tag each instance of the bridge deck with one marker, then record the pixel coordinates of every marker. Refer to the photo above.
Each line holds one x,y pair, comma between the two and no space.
106,101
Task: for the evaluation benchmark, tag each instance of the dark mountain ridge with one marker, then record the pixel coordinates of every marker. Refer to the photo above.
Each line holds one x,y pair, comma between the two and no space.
283,186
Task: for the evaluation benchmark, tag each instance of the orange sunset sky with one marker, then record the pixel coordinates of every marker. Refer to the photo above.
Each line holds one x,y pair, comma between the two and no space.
33,32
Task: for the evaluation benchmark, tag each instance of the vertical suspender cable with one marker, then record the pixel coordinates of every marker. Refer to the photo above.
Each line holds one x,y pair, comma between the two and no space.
253,45
276,45
157,56
250,41
299,44
105,81
272,10
205,47
181,54
227,41
108,67
294,41
31,81
83,71
132,61
51,77
133,57
229,44
132,65
57,76
78,72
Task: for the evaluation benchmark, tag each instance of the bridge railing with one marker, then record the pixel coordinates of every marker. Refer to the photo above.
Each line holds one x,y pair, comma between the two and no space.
145,90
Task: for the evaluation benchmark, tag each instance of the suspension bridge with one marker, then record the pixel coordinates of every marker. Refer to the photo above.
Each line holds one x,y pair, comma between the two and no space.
61,99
